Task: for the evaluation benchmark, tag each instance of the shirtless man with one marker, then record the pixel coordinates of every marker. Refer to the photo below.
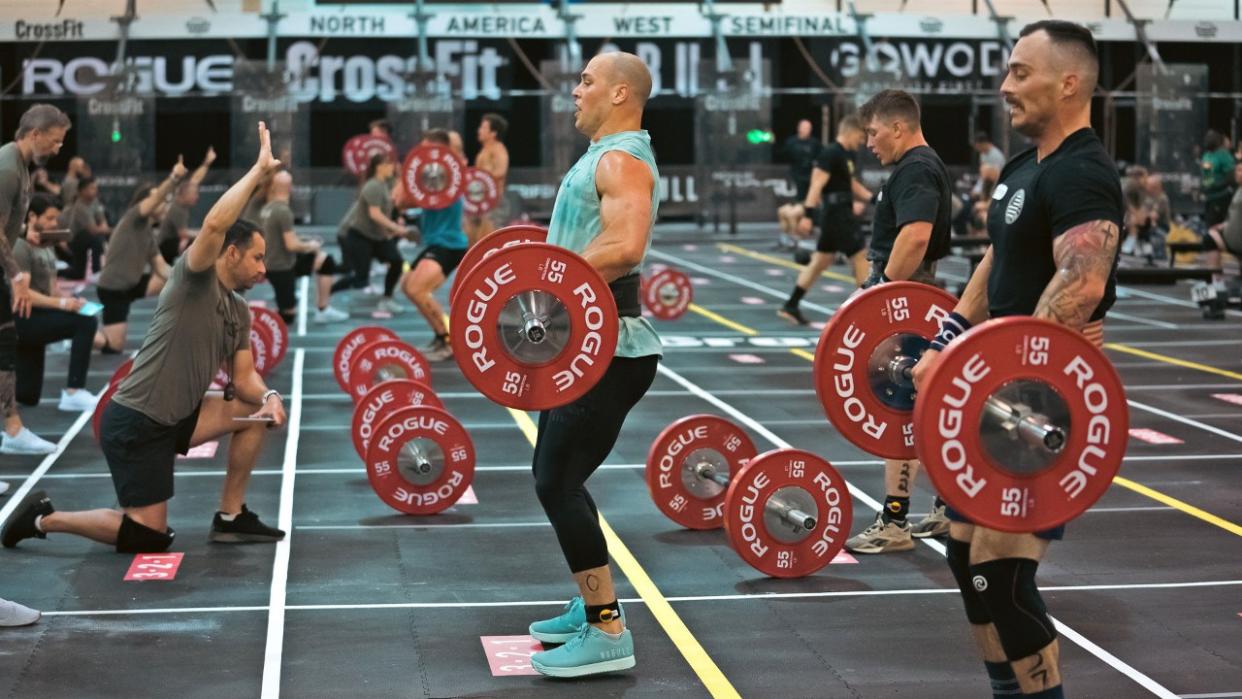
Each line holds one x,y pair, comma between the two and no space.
493,158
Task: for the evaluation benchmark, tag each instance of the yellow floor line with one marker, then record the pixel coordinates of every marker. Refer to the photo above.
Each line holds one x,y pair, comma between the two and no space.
709,673
1172,360
726,247
1139,488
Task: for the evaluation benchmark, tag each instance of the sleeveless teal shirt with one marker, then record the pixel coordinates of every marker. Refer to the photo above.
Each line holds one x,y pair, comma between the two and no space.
575,223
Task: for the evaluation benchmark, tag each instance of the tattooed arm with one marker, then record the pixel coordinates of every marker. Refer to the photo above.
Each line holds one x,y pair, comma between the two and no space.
1084,256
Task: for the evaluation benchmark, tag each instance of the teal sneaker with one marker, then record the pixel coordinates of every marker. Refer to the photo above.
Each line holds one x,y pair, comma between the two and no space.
589,652
560,629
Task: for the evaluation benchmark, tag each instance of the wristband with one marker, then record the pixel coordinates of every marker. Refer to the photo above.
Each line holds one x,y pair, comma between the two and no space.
271,392
951,328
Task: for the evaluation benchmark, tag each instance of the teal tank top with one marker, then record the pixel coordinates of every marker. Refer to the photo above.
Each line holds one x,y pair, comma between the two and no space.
575,223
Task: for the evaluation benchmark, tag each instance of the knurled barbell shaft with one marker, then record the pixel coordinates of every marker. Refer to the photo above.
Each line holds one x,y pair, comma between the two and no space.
1031,427
775,505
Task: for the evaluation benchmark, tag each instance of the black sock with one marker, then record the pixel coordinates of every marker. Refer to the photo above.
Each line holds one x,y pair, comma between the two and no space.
1004,682
895,508
937,502
603,613
796,297
443,337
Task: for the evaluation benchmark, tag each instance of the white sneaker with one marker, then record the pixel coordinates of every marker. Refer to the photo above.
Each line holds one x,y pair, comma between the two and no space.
390,306
25,442
330,315
11,613
78,401
14,614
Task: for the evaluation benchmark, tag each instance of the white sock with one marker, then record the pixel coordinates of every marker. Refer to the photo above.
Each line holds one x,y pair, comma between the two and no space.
39,523
228,518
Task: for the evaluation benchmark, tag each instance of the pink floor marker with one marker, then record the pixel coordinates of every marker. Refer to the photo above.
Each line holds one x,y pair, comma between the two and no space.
842,557
689,248
509,656
468,497
752,301
728,259
834,288
1153,437
149,567
818,324
700,281
774,272
259,304
381,315
206,450
747,358
1235,398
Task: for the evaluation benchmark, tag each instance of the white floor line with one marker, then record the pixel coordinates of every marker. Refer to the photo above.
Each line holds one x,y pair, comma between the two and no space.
1108,658
740,281
15,497
738,597
1213,695
304,292
468,525
1187,421
274,653
1144,321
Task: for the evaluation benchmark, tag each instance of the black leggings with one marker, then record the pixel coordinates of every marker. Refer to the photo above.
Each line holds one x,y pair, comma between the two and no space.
358,251
42,328
81,244
573,441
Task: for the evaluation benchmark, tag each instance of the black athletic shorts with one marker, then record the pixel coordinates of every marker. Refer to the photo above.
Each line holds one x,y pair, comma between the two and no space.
284,281
448,258
116,303
839,231
1054,534
141,452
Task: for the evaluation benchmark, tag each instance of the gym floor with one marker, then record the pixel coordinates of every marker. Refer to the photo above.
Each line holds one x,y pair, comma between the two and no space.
360,601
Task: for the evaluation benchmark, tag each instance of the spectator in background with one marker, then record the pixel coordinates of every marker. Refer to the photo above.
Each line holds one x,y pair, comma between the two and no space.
73,176
991,162
42,183
800,151
88,228
1217,182
380,127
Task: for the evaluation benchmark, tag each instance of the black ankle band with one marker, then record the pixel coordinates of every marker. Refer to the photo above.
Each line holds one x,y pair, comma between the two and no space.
603,613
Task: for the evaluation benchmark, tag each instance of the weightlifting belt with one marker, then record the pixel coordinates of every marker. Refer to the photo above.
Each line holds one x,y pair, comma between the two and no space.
625,292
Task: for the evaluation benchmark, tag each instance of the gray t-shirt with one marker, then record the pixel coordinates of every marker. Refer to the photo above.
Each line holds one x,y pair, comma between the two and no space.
129,252
374,193
39,263
993,157
197,327
250,212
69,190
1233,225
78,219
175,220
14,192
276,218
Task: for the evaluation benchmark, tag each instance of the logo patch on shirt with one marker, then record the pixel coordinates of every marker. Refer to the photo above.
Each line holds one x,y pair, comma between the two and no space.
1014,210
999,192
879,197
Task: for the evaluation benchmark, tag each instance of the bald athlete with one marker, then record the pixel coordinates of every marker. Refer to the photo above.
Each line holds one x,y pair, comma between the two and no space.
604,211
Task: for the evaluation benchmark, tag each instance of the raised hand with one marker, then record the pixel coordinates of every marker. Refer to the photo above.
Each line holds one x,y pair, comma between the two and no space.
266,162
211,155
179,170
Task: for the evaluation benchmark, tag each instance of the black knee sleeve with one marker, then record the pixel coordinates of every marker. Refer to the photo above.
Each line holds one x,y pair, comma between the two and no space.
8,345
1007,586
958,555
328,268
138,538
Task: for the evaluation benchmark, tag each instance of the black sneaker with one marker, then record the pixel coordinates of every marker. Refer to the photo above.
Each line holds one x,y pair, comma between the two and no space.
245,528
21,524
793,313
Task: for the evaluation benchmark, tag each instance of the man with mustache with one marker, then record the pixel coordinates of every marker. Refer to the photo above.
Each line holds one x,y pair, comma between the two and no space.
163,408
1054,222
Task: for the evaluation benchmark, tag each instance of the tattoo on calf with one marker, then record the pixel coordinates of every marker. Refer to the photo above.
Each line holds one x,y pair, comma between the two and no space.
904,483
592,583
1084,256
1038,673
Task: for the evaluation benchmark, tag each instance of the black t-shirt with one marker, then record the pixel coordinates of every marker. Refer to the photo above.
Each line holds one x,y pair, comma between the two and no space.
840,165
918,190
1034,203
801,153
